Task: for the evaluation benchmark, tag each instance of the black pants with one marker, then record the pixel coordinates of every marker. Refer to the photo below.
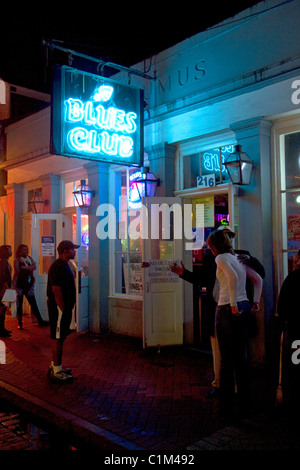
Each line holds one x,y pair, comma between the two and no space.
232,338
34,308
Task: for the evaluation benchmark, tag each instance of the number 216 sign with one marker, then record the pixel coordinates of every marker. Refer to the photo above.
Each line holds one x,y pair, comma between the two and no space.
206,181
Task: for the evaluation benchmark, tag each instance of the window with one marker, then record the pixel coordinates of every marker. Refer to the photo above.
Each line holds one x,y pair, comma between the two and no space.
127,252
206,163
290,199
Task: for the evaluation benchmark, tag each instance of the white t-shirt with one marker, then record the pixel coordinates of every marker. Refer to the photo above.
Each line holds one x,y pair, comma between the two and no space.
232,275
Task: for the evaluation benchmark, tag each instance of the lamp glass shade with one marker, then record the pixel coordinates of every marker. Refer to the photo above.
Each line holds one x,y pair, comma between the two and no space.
147,184
37,203
83,195
239,166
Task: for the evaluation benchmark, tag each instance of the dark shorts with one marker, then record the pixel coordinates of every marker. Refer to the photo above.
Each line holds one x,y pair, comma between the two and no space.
59,321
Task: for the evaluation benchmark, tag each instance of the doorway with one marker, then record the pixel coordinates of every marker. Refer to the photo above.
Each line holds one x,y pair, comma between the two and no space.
42,233
46,233
202,320
210,208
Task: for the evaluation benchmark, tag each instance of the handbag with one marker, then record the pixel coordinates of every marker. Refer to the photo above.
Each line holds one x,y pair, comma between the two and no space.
10,299
9,296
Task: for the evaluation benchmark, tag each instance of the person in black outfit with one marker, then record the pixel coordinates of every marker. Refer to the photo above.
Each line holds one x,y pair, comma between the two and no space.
23,281
61,293
207,278
288,310
5,283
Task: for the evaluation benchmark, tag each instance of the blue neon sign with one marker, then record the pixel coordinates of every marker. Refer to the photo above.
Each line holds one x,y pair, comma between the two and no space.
213,159
96,118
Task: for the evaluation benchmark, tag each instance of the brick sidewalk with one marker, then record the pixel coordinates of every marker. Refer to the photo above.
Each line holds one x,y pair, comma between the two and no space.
122,397
13,435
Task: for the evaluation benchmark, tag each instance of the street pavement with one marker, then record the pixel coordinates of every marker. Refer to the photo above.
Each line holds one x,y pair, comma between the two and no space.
126,398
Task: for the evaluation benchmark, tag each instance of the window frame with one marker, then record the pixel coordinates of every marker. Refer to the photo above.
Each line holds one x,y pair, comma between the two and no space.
112,251
280,129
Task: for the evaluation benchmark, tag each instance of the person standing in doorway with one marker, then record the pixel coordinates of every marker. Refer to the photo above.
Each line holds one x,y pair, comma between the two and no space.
5,283
61,293
232,318
207,278
23,281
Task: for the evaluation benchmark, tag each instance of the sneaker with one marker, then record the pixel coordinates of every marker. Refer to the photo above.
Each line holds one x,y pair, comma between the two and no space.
66,370
213,393
60,377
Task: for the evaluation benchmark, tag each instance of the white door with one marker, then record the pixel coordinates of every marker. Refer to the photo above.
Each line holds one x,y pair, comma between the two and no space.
163,291
82,280
46,233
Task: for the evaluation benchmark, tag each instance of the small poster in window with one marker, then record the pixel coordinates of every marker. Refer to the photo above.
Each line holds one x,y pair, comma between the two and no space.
47,246
133,278
294,227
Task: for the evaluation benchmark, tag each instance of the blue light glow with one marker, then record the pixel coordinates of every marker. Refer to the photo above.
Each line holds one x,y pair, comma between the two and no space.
104,93
87,140
112,119
91,141
96,118
211,159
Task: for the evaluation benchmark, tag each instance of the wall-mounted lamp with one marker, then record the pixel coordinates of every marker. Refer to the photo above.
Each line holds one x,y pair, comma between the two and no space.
147,182
37,203
83,194
239,166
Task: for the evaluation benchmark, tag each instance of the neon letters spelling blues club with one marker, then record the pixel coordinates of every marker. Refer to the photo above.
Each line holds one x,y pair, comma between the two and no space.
101,119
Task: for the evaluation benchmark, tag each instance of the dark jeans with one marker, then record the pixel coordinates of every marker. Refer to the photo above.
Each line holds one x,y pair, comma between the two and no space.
232,338
34,308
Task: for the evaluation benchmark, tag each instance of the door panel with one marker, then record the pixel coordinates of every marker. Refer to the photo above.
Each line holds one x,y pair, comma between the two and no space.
163,303
163,299
46,233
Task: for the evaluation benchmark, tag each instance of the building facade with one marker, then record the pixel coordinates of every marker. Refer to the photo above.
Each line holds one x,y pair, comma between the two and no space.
235,83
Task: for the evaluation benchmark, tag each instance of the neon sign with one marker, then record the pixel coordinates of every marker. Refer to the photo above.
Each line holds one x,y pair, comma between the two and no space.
212,160
96,118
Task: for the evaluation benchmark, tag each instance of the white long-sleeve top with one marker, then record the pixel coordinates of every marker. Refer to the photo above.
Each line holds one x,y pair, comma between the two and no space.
232,275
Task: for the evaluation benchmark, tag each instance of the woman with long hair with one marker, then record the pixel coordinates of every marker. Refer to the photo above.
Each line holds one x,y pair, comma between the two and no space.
232,321
5,283
24,283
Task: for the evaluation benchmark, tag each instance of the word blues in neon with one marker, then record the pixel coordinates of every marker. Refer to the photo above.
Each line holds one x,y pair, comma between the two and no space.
96,126
112,119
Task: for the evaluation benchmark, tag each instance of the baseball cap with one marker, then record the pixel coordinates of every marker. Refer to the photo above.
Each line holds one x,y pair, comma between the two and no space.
66,245
227,229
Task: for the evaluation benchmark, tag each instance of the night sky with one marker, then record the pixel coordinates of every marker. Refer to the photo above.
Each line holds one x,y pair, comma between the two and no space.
115,32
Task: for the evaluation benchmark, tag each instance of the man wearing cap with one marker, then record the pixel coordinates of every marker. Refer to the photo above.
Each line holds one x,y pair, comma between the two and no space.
61,293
